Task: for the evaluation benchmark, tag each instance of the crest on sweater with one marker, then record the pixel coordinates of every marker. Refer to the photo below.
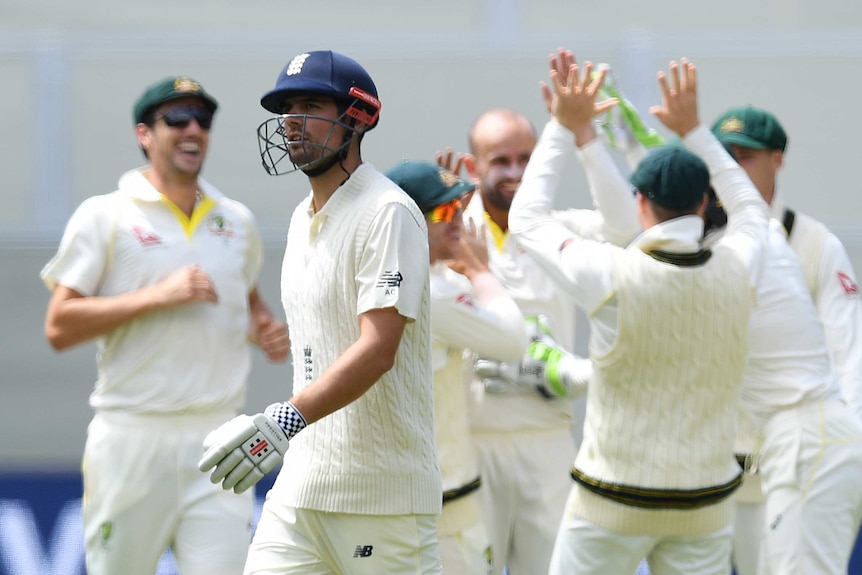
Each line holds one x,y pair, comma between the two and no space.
308,364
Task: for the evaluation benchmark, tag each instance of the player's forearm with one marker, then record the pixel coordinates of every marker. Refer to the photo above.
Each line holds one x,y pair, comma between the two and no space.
259,315
343,382
75,320
357,368
747,212
611,194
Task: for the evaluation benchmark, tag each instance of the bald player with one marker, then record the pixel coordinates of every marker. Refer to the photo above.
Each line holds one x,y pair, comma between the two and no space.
523,437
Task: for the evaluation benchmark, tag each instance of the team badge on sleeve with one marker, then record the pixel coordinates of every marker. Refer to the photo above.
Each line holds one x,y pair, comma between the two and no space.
847,283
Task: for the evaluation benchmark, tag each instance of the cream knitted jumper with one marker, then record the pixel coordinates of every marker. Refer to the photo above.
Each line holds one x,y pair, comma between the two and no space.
673,379
376,455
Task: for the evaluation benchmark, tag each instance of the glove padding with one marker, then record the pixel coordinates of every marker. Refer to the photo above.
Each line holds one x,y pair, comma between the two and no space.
243,450
546,367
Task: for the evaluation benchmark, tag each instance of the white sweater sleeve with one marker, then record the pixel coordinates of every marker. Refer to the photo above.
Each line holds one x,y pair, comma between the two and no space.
747,212
484,319
839,308
585,274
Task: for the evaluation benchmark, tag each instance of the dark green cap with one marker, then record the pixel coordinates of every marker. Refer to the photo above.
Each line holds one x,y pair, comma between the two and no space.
750,127
170,89
428,184
672,177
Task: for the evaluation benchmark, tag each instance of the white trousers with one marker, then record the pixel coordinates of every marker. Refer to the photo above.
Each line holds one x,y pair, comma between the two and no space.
525,484
295,541
465,547
811,463
584,548
143,492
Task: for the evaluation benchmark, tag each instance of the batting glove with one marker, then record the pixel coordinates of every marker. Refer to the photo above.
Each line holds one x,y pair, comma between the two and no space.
246,448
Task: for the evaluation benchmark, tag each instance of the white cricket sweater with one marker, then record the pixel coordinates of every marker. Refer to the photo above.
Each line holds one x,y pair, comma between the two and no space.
366,249
832,283
190,358
594,274
464,314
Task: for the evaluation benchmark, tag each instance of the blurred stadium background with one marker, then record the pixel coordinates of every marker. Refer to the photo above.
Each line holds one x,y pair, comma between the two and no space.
71,70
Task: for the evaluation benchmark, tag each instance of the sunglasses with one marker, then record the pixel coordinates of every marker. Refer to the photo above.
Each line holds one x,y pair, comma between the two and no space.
182,117
445,212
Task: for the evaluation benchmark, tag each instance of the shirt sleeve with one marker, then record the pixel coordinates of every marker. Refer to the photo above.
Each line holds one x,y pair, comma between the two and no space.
840,312
611,193
81,259
393,268
747,212
581,267
481,317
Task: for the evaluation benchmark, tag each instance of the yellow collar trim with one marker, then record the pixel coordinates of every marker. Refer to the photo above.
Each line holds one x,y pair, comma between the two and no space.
497,232
204,205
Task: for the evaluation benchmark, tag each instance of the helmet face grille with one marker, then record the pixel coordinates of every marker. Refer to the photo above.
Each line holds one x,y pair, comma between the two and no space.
280,155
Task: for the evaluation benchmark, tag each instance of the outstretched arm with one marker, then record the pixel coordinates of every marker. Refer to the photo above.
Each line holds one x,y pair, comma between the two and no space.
572,104
747,212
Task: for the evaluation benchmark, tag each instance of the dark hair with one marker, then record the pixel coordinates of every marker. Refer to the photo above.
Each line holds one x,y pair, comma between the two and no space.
663,214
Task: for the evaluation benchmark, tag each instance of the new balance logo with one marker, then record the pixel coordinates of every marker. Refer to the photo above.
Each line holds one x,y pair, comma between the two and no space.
390,279
363,551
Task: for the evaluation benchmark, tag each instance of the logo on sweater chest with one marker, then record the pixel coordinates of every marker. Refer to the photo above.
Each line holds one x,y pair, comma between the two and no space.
220,226
146,237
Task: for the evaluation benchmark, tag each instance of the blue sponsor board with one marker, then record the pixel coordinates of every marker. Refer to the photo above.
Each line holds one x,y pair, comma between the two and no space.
41,531
40,524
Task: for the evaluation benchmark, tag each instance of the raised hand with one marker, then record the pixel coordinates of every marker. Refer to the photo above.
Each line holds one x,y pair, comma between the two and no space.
472,256
559,63
573,100
454,162
678,110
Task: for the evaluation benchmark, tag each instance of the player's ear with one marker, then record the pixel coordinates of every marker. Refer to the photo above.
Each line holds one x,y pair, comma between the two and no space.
777,159
144,135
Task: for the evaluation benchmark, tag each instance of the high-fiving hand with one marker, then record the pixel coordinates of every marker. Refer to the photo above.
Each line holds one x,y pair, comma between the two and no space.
678,110
572,102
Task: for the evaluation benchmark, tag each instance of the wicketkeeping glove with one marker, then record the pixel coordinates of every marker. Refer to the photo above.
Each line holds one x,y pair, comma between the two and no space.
546,367
621,126
246,448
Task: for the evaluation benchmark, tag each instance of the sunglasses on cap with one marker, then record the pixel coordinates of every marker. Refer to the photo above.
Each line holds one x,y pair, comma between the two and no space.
182,117
445,212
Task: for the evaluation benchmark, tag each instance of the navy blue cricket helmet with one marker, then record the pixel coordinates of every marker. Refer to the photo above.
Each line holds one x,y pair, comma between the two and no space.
322,73
327,73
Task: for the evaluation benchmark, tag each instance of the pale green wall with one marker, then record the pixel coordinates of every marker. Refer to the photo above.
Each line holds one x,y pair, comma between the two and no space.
69,72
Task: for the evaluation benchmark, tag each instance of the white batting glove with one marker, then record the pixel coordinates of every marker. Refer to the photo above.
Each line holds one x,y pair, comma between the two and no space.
246,448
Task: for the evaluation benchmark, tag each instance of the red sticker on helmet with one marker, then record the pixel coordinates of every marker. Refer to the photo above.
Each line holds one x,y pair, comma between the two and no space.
364,96
362,115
